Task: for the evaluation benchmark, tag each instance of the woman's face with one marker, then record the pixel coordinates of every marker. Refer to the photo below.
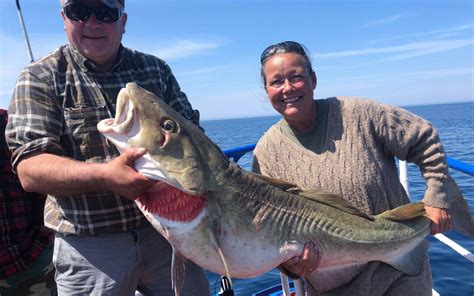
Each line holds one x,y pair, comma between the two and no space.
290,86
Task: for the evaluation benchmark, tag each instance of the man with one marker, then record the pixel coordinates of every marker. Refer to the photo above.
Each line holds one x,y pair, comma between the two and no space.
25,245
103,244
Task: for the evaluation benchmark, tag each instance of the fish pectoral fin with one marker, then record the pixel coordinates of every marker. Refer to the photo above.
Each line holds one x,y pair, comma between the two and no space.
221,255
410,262
404,212
332,200
178,269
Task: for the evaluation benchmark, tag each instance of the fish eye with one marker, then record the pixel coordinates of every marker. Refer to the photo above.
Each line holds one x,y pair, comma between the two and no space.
169,125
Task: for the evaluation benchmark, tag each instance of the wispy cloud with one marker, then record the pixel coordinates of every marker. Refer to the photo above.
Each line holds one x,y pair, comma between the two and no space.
186,48
426,48
438,34
421,74
383,21
431,85
400,52
201,71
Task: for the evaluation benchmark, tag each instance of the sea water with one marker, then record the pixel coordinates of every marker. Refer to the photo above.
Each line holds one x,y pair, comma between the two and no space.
452,273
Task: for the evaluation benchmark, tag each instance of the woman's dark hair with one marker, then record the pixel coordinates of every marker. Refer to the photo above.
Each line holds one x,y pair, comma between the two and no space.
284,47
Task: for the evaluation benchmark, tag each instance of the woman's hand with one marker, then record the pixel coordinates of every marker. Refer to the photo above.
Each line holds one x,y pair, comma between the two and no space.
440,219
306,263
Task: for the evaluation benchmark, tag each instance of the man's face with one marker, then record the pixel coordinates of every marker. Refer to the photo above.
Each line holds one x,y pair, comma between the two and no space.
97,40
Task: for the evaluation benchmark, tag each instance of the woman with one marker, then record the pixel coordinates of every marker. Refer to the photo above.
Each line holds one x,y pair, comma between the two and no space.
348,146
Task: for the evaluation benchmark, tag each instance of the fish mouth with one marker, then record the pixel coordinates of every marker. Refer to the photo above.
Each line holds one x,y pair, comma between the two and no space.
171,203
140,122
124,126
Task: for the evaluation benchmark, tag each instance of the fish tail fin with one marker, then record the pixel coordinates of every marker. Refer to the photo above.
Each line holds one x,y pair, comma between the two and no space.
404,212
462,219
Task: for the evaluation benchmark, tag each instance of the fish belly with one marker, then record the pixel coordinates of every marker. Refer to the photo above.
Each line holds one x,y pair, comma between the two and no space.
244,255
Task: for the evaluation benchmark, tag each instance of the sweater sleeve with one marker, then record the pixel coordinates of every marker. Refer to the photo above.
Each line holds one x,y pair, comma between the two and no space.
412,138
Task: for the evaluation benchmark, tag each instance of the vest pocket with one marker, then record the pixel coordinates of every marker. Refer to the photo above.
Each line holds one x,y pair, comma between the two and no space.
89,144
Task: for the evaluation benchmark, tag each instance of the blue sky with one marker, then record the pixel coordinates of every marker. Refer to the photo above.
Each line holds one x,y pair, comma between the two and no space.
396,52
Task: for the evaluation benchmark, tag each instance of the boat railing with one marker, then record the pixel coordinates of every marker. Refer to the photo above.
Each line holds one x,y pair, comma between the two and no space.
457,165
237,152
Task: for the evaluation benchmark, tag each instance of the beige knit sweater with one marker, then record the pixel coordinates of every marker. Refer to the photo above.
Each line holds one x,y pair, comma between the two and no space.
358,162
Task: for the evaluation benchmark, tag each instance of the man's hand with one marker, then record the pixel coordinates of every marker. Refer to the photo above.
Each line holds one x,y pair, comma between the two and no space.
440,219
124,179
306,263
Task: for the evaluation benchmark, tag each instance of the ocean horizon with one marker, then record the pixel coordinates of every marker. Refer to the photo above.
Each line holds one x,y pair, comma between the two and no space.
275,114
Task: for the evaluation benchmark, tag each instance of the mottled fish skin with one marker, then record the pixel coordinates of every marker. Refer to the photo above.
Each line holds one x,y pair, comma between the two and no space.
234,222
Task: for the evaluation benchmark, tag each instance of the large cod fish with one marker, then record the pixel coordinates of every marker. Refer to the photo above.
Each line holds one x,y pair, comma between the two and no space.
241,224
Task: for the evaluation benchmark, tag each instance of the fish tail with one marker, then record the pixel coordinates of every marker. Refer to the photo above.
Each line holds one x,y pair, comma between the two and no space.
462,219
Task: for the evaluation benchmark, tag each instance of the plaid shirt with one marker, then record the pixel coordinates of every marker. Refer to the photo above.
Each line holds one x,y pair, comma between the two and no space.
55,108
22,234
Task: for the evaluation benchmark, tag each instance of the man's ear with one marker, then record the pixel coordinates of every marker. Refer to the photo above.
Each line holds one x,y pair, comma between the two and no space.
124,21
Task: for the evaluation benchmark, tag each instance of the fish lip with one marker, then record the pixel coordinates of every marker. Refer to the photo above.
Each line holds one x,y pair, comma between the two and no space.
105,125
123,121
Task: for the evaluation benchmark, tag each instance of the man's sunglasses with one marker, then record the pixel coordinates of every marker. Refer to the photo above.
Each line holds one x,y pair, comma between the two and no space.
103,13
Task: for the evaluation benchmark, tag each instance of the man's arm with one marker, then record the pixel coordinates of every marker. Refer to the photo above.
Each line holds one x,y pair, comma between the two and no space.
51,174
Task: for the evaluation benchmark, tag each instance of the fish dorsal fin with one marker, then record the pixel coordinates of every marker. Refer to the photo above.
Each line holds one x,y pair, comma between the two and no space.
332,200
404,212
281,184
316,195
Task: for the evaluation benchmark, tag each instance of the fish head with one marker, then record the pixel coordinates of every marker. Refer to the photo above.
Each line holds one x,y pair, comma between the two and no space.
145,121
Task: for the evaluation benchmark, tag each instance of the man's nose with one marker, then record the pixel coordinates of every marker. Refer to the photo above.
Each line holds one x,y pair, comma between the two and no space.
92,21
